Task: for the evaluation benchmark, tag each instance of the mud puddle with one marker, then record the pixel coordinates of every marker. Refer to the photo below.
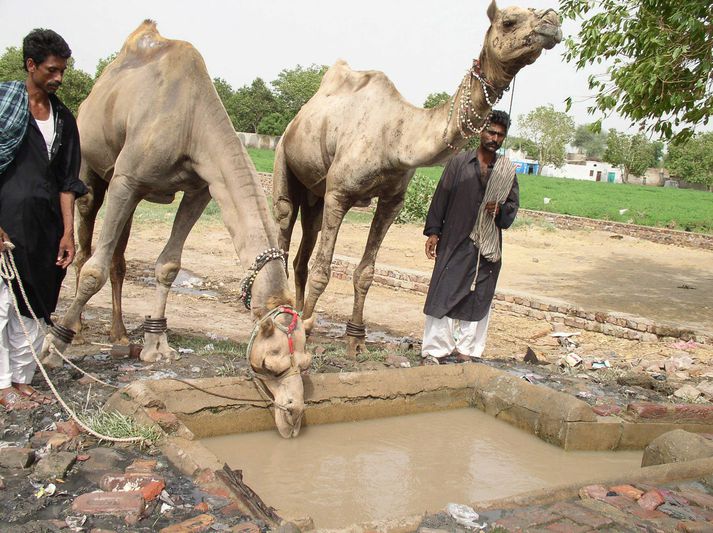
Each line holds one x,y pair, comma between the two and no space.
186,282
342,474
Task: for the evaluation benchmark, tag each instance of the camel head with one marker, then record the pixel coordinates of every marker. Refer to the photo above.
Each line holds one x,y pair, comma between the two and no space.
516,38
277,355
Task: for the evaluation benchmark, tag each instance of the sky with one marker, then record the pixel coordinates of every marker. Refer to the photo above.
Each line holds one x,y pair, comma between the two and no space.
423,46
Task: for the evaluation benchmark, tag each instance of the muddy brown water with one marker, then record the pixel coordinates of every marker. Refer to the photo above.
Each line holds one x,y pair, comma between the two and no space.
341,474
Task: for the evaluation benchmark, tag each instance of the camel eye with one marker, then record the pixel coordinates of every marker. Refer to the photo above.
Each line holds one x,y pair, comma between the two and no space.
509,23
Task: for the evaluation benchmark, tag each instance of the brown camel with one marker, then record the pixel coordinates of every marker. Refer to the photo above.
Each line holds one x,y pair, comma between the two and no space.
357,138
153,125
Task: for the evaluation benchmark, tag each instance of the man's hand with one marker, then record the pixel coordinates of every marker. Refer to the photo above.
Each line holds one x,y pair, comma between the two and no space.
431,244
4,237
65,256
492,208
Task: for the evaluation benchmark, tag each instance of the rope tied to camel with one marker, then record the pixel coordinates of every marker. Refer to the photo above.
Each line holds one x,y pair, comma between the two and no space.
261,260
485,234
9,271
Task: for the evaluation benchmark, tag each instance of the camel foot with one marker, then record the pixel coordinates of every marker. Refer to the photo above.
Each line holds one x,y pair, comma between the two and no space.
156,348
122,340
79,339
355,346
49,358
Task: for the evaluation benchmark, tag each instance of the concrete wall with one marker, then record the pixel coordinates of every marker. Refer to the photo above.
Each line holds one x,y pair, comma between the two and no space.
654,177
255,140
589,171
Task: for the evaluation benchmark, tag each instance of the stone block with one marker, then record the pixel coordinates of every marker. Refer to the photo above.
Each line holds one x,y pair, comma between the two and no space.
593,436
168,421
54,466
13,457
101,461
676,446
113,503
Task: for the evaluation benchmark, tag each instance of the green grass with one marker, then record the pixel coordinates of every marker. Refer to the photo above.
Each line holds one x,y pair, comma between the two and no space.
117,425
263,159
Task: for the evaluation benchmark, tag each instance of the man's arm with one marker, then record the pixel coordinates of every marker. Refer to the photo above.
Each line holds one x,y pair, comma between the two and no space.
437,209
508,210
65,255
4,237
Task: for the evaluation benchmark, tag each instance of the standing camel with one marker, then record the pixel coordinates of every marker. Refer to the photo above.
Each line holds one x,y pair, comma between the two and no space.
357,138
154,125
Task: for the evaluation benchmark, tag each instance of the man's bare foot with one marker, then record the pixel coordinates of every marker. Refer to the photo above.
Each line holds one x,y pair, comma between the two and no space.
11,399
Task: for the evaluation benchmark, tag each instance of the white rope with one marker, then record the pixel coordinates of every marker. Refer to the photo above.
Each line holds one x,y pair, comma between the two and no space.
8,271
485,234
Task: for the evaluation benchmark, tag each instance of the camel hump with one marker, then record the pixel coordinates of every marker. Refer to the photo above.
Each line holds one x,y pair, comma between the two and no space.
145,40
340,77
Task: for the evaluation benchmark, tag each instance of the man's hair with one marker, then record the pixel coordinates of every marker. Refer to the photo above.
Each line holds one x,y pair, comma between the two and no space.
500,117
41,43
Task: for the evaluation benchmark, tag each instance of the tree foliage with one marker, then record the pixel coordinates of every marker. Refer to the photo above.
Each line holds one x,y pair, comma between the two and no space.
633,153
273,124
295,86
659,57
590,140
550,130
251,104
524,145
102,64
692,160
76,83
436,99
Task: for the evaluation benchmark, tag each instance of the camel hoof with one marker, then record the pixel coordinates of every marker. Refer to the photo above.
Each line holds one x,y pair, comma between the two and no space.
355,346
49,358
156,348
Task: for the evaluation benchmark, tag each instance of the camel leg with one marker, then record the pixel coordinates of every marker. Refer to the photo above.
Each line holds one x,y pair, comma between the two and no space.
87,209
122,202
311,220
156,346
285,197
386,212
335,207
117,273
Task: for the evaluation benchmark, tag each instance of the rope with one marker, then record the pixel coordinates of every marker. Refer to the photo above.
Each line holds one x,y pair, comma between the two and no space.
485,234
8,271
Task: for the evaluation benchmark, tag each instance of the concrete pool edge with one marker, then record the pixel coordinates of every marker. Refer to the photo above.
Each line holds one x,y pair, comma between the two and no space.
186,414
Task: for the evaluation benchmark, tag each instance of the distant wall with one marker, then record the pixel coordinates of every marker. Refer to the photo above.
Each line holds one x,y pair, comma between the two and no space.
654,177
255,140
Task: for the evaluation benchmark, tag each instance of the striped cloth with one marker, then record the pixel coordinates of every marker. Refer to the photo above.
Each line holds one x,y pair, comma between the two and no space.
485,232
14,118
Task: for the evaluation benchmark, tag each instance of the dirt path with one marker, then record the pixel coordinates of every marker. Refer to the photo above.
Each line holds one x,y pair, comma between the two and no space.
587,268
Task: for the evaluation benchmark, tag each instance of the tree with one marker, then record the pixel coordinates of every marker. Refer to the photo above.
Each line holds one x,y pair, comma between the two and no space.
591,141
226,93
76,83
294,87
102,64
633,153
436,99
550,130
273,124
251,104
692,160
659,56
522,144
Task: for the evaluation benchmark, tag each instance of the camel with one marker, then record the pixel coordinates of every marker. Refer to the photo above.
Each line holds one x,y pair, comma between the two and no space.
154,125
357,138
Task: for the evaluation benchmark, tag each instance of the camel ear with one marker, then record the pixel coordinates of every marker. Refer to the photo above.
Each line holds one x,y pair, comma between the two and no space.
308,325
267,328
492,11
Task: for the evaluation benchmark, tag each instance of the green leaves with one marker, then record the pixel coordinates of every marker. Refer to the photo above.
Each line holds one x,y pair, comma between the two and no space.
436,99
550,131
692,160
659,55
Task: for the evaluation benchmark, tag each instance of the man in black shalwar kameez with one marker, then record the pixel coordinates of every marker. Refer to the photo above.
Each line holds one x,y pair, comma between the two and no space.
458,305
39,167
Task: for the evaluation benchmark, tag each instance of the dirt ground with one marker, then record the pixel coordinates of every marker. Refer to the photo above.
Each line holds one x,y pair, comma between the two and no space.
595,270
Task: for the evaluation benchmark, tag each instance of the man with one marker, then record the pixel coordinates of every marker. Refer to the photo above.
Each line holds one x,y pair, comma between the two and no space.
476,198
39,165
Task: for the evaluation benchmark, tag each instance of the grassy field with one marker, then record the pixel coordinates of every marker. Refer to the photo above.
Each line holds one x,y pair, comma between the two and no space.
649,206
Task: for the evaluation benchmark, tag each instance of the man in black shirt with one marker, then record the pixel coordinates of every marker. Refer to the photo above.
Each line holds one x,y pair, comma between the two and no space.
39,167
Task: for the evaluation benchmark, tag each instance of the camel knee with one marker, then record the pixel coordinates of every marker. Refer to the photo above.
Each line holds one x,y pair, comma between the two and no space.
166,272
319,279
91,279
284,210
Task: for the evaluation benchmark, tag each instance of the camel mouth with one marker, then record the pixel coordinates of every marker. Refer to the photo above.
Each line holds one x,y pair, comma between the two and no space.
552,34
289,422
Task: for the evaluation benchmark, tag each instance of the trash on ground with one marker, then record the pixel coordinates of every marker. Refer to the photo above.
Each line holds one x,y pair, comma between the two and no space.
464,515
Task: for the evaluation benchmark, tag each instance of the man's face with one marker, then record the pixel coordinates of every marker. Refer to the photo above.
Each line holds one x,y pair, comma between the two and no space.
47,76
492,137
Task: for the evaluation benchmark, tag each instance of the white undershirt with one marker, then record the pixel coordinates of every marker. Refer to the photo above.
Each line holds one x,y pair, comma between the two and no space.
47,129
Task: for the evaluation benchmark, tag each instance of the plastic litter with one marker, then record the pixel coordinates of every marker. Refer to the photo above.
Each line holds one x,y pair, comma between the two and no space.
572,359
596,365
464,515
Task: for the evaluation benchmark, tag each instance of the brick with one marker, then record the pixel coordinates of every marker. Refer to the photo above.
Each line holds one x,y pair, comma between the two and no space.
142,466
113,503
111,482
647,410
525,519
567,526
646,514
597,492
606,410
151,490
580,514
651,500
697,412
689,526
70,427
627,490
192,525
54,466
168,421
698,498
12,457
202,507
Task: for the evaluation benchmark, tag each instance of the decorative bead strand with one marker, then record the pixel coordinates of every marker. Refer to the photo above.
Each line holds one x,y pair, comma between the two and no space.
246,286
